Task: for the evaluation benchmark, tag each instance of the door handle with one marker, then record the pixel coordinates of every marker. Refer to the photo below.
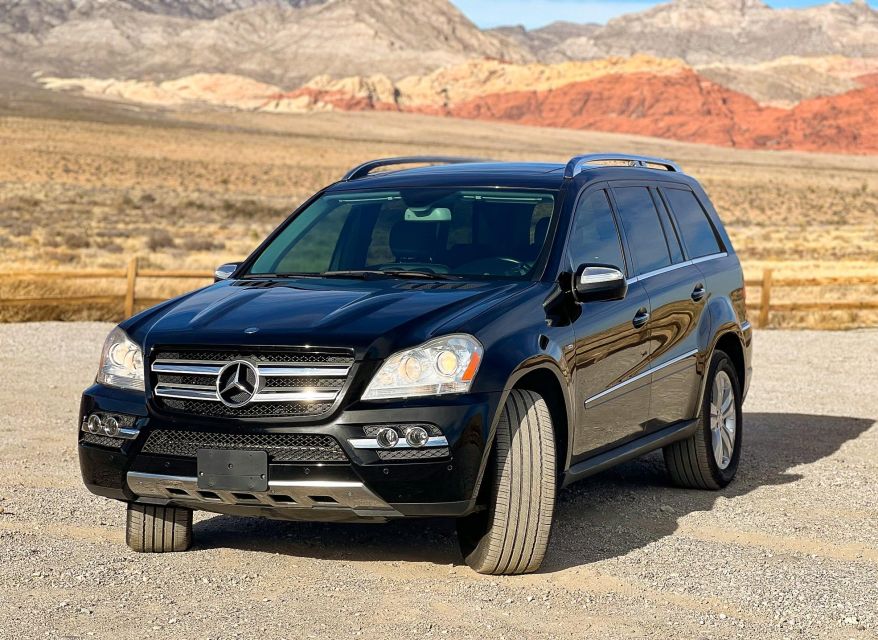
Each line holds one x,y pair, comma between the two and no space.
698,293
641,318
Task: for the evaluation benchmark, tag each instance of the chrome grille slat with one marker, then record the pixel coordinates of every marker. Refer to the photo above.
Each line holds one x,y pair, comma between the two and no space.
191,368
186,393
291,383
302,372
295,396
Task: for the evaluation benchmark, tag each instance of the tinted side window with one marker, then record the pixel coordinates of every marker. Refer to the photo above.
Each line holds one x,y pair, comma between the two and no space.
670,233
646,239
595,238
693,223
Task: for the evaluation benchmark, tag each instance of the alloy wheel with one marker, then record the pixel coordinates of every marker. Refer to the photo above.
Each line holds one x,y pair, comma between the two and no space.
723,419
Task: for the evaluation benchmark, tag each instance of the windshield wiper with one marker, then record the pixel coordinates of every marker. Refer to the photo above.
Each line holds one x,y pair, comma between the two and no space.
365,274
426,275
278,276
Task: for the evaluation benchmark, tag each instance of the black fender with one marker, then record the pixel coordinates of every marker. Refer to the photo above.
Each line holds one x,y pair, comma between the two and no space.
723,321
542,362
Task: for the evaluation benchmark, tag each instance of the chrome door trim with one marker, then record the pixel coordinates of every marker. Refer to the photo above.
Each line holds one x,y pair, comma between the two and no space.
674,267
642,375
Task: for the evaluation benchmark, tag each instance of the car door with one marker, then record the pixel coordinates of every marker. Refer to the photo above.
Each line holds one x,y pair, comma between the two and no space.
611,350
677,294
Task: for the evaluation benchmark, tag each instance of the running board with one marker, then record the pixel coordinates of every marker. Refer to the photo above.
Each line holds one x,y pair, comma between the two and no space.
630,450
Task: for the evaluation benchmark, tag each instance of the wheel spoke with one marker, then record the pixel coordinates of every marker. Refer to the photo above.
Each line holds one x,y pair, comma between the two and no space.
728,396
728,444
717,446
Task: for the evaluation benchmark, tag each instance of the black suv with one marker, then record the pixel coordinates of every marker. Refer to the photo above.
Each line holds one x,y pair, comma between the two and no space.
457,340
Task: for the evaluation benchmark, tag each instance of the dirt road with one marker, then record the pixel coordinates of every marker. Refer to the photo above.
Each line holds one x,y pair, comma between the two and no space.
790,550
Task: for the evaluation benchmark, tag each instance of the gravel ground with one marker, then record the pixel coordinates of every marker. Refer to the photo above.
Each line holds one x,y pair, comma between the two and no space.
789,550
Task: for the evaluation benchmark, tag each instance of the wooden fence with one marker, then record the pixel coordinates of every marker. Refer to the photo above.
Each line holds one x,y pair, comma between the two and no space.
762,311
129,299
768,284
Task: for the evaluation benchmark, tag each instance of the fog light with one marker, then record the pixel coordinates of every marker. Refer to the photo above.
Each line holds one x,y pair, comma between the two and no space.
416,436
111,426
94,423
387,437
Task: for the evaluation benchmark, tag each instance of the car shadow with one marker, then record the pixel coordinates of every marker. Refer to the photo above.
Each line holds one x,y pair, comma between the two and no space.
608,515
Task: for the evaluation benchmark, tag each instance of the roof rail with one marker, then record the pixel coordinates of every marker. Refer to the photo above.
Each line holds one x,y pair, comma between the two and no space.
366,168
578,164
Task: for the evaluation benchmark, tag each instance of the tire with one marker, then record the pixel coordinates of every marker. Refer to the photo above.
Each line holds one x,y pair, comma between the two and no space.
694,463
151,529
511,536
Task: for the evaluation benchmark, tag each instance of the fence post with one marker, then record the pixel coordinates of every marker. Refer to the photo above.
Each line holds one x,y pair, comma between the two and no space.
132,284
765,302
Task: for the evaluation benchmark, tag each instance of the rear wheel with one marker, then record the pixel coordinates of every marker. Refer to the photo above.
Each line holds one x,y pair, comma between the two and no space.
709,458
512,534
152,529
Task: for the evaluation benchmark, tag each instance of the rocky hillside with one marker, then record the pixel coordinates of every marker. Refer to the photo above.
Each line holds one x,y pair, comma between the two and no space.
717,31
289,41
279,41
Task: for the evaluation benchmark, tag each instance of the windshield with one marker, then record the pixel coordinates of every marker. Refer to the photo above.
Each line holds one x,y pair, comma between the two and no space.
438,233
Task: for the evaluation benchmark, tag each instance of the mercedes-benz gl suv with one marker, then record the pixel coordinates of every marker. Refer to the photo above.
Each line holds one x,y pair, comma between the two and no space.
460,339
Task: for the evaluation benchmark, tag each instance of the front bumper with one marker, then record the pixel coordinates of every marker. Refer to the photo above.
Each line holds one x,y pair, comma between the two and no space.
364,487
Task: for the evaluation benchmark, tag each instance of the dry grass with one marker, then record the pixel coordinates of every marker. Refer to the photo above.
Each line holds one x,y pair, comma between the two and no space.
192,190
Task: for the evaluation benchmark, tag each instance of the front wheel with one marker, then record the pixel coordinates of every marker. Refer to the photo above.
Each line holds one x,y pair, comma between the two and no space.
512,534
152,529
709,458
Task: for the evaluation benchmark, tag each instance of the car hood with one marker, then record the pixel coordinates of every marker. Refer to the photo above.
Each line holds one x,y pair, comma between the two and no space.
375,318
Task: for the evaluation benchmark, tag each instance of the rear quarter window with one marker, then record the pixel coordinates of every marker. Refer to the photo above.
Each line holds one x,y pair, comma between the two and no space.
640,220
698,233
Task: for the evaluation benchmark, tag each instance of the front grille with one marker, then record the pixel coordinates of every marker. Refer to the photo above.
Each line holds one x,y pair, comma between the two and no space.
281,447
102,441
260,410
290,382
413,454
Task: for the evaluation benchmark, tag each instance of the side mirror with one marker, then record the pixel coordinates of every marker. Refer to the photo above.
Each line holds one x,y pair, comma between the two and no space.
225,271
596,282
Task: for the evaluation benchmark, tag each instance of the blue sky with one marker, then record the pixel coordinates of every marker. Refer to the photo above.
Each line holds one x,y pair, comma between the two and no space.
536,13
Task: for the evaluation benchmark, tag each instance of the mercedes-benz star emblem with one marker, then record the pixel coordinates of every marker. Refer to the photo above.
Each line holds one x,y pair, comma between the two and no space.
237,383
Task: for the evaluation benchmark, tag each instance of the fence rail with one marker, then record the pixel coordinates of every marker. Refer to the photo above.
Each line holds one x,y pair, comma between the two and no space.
767,285
129,299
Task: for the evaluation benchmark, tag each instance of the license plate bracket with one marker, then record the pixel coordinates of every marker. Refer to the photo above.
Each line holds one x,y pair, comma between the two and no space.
232,470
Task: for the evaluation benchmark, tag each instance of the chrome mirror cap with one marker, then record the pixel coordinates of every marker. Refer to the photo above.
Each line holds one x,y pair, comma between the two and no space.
599,275
599,282
224,272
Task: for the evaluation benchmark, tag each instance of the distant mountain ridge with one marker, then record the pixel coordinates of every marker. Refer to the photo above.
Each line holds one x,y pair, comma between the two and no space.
289,41
717,31
732,72
279,41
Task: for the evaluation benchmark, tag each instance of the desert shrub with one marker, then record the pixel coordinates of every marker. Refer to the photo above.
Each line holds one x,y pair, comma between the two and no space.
195,243
76,241
61,256
158,239
112,247
50,239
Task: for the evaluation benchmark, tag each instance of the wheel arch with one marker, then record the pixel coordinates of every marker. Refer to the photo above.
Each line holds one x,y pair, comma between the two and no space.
552,387
730,341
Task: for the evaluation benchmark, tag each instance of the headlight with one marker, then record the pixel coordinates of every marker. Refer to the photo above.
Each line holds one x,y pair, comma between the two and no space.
121,362
440,366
